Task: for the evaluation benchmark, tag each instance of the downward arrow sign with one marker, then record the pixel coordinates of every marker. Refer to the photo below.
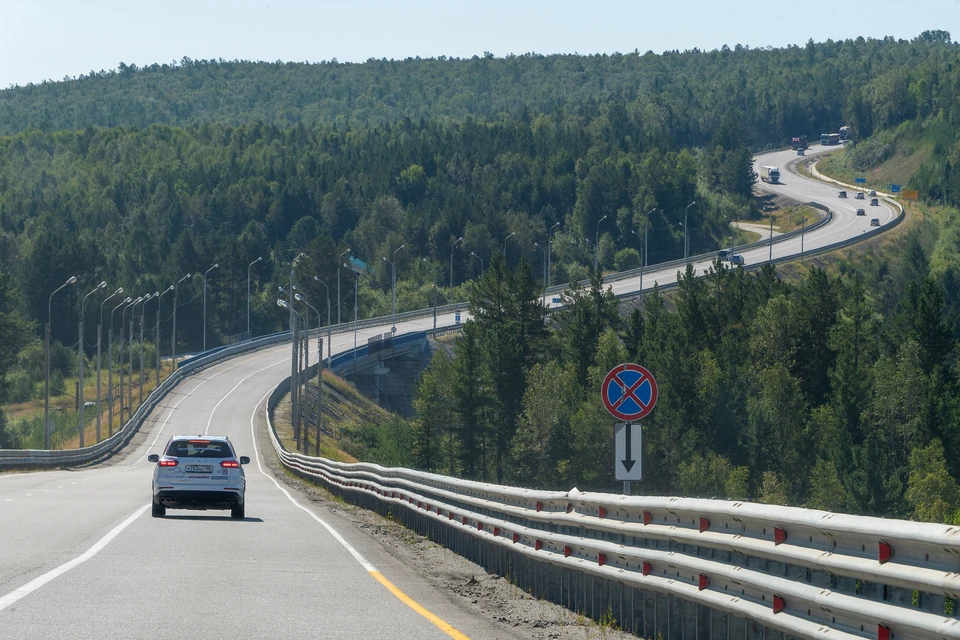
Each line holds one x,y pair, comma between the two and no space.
628,462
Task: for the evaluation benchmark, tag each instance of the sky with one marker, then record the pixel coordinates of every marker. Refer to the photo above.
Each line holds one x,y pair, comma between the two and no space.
51,39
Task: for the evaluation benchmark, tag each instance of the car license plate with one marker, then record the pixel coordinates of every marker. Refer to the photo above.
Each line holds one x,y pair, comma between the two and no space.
198,468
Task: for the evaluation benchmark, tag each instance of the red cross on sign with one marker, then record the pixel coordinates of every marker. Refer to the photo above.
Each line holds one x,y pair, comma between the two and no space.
629,392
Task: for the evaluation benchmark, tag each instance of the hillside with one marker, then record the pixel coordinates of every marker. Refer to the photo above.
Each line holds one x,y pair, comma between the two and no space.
680,97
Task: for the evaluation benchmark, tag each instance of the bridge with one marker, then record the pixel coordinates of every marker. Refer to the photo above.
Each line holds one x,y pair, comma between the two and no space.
78,553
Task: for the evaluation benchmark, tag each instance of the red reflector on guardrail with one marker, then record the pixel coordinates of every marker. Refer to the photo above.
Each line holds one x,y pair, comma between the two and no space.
704,524
566,551
885,552
496,531
479,526
450,516
516,538
601,559
464,521
539,506
883,632
647,517
603,512
779,535
569,507
538,545
779,604
703,582
647,569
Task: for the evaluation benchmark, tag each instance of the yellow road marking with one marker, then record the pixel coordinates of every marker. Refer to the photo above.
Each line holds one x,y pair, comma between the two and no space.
407,600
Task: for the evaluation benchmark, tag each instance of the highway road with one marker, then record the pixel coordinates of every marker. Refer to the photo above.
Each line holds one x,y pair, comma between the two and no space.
80,555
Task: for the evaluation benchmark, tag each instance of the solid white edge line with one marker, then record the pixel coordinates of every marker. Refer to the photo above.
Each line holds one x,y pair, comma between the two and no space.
333,532
227,395
39,581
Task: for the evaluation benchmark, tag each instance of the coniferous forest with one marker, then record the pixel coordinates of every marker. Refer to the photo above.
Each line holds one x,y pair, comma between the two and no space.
835,389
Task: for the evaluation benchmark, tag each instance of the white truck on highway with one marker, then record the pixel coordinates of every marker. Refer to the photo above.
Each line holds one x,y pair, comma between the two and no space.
770,174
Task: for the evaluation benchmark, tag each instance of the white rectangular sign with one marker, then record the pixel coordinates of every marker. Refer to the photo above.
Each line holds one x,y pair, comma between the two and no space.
628,444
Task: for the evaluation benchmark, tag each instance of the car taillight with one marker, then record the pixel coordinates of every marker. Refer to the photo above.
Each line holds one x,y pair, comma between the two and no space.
230,464
167,463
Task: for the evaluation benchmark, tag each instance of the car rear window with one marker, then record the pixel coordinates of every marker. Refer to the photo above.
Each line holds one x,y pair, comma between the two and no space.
199,449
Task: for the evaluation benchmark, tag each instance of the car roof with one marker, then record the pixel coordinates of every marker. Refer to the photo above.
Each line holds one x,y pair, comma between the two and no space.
198,436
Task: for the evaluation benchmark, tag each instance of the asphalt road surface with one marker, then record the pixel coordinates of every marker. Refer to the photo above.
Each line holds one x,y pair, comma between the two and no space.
80,557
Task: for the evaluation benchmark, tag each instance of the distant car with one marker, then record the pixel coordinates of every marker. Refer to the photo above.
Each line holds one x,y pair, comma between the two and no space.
875,222
199,472
799,152
860,195
737,259
842,194
874,202
871,193
724,254
861,212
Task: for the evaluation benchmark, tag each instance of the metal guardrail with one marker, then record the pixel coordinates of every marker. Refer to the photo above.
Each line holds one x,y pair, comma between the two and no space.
804,573
13,458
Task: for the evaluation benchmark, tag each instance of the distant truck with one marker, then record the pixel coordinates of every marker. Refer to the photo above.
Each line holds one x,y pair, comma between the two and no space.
829,139
798,143
770,174
845,133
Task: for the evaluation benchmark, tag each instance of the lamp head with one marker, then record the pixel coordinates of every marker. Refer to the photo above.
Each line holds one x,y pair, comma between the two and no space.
189,275
118,291
102,285
297,296
282,303
71,280
127,300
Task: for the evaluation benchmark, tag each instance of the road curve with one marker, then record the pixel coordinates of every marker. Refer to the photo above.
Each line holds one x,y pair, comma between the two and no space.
79,553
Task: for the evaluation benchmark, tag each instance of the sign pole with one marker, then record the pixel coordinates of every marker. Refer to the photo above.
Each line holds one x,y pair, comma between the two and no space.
629,392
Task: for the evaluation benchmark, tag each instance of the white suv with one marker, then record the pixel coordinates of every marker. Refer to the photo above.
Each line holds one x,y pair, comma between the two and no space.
199,472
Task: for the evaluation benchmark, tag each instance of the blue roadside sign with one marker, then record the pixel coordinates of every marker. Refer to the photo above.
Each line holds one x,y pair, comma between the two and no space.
556,301
894,188
456,317
629,392
861,180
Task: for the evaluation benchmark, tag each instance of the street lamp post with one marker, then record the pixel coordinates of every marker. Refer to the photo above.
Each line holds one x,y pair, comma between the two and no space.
512,233
339,297
205,304
143,313
110,368
393,286
80,360
99,341
549,251
295,378
686,242
329,332
455,243
133,312
306,323
46,359
543,255
643,258
173,332
165,292
319,374
248,294
294,347
596,244
481,262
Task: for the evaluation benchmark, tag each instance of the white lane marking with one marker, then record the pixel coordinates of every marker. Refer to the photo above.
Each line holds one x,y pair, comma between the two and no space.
333,532
39,581
227,395
29,494
60,487
174,408
167,419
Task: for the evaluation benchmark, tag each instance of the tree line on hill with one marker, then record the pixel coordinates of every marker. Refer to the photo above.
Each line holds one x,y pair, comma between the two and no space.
835,392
